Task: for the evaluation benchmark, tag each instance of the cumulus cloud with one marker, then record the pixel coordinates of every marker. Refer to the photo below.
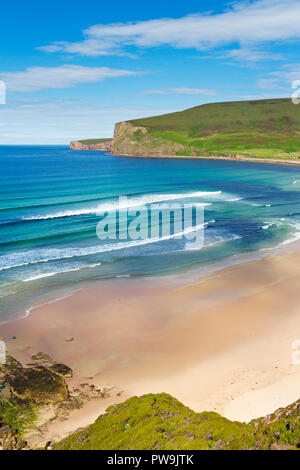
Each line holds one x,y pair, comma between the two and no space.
244,23
64,76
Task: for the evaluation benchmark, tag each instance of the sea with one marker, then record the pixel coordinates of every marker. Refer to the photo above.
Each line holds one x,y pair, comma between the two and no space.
52,200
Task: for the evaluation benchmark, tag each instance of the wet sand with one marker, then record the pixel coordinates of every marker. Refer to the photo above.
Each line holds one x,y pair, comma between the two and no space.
222,343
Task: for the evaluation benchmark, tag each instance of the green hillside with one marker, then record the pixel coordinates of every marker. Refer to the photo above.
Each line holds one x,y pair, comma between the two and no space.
261,128
160,421
94,141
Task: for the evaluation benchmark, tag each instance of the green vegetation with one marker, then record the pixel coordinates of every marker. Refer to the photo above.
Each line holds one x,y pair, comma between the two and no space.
162,422
25,390
18,417
262,128
277,115
94,141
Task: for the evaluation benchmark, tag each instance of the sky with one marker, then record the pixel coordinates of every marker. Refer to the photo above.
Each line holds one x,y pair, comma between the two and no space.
71,69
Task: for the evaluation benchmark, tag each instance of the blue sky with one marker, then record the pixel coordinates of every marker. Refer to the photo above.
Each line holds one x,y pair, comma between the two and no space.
72,69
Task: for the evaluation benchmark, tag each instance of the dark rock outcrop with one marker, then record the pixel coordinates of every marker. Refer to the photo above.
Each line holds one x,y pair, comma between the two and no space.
10,439
39,383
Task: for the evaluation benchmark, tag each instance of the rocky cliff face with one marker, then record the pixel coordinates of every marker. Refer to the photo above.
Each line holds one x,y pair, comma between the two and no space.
75,145
136,140
102,146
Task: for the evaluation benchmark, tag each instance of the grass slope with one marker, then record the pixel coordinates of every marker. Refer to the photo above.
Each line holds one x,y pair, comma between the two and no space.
258,128
160,421
94,141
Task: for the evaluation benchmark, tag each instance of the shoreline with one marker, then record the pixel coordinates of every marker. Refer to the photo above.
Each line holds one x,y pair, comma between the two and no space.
179,277
221,343
234,159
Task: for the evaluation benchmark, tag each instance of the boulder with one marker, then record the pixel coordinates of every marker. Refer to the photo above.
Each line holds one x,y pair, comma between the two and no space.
38,385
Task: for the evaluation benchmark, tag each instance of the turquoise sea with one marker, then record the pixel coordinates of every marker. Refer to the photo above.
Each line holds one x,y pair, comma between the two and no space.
49,198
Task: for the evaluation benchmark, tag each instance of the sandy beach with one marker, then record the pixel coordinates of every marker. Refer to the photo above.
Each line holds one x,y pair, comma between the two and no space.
223,343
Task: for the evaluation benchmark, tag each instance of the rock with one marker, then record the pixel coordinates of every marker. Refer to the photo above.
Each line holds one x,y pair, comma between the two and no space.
38,385
10,444
42,357
6,432
106,145
48,445
62,370
280,447
5,392
21,445
10,439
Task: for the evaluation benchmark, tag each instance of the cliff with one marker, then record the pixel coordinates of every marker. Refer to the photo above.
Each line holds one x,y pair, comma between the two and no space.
261,129
92,144
139,141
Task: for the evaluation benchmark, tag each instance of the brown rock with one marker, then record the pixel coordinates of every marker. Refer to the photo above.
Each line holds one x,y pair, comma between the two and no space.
37,385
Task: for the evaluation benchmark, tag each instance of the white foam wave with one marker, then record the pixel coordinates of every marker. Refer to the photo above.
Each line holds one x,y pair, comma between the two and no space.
234,199
54,273
127,203
42,256
295,237
268,225
28,311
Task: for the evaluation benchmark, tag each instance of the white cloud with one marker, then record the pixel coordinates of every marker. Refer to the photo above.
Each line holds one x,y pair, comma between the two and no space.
180,91
289,73
245,54
267,83
65,76
246,23
281,78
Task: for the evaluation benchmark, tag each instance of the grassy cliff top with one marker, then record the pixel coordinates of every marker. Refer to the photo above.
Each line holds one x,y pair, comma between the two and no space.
273,115
94,141
256,129
159,421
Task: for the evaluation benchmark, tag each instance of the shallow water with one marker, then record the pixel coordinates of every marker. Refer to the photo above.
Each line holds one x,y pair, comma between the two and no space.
50,200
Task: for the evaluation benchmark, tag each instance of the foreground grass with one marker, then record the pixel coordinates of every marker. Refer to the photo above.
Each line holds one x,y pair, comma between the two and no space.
162,422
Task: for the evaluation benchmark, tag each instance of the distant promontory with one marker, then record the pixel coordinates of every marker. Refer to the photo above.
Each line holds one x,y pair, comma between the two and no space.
259,129
92,144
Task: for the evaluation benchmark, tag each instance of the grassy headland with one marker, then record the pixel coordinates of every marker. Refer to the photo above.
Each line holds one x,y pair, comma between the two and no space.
161,422
261,129
94,141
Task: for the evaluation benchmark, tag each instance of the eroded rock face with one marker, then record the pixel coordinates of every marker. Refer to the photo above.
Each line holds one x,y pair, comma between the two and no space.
102,146
40,383
138,141
75,145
